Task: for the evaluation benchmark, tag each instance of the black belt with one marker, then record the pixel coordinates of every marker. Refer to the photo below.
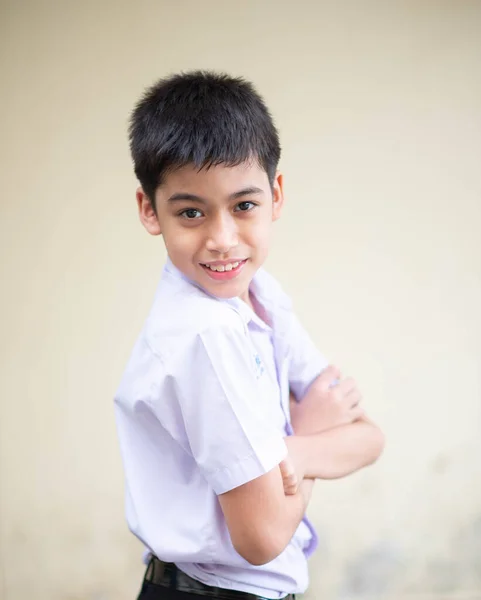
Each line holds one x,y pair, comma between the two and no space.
167,575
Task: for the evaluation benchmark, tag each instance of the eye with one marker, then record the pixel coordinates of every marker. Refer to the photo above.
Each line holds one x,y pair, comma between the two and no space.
245,206
190,213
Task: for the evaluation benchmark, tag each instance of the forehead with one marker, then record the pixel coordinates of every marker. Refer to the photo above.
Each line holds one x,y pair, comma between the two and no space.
215,181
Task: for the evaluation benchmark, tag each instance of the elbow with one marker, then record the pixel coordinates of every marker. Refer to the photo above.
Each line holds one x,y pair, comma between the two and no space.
260,550
256,558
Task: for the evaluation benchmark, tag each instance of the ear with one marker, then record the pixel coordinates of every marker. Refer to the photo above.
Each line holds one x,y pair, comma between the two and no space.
147,214
277,196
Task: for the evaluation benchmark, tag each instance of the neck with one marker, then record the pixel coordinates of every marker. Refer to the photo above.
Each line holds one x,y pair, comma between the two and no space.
246,297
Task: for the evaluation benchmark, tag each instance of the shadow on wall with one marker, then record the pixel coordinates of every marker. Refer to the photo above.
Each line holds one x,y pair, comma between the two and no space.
385,568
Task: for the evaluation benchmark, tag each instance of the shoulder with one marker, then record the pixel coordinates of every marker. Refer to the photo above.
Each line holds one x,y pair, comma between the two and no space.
179,333
268,288
177,321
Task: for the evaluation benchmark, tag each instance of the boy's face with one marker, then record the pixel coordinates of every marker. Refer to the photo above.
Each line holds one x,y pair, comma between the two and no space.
216,223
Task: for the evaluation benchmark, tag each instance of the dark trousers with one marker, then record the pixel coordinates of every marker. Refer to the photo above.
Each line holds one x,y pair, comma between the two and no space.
164,581
151,591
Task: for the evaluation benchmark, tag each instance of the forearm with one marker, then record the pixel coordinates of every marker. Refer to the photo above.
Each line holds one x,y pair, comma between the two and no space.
284,522
261,519
340,451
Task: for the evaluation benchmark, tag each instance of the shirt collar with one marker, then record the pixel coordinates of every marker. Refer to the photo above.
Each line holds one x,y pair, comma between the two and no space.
243,309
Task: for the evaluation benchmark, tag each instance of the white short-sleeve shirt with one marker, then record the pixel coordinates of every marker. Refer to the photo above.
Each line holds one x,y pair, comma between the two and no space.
202,408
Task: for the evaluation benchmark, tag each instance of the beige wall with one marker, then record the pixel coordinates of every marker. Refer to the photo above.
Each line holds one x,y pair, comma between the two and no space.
379,106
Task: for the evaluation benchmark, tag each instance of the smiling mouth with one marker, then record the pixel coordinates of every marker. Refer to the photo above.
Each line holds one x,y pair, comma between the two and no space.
225,267
224,271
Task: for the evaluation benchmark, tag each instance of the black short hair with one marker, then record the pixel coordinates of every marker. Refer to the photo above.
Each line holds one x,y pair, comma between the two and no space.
204,119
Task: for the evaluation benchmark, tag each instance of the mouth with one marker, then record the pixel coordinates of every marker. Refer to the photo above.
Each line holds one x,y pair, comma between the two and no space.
222,270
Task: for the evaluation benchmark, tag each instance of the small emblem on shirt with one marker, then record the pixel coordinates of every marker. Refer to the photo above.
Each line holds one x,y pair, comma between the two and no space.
259,366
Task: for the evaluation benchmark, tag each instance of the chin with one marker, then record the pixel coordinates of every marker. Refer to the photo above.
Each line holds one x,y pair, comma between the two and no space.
224,291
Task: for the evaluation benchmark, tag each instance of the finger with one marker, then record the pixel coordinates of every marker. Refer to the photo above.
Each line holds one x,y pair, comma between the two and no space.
334,383
286,465
356,413
327,377
347,385
289,479
352,399
291,490
288,473
290,483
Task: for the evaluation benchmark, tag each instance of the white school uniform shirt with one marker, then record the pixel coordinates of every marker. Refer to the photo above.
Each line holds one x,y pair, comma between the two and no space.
203,408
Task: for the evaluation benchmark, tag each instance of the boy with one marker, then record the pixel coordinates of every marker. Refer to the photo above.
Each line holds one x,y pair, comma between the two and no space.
216,484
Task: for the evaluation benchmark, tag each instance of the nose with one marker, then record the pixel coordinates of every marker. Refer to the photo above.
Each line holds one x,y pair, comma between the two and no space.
222,235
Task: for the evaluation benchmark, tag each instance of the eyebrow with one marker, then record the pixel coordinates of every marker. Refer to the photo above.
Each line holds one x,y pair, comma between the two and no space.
183,196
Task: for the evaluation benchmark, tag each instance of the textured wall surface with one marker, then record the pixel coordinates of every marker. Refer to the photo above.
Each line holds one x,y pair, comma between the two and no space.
379,108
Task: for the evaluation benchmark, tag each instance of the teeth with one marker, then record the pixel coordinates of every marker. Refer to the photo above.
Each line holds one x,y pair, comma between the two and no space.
222,268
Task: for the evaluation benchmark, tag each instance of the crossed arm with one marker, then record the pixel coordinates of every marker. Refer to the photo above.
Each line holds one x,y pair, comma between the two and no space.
332,439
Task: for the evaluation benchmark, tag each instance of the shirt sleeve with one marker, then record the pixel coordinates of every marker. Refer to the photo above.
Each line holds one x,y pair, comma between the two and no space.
306,363
215,395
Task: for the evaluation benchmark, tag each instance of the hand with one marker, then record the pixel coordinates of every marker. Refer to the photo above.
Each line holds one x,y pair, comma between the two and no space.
330,402
293,466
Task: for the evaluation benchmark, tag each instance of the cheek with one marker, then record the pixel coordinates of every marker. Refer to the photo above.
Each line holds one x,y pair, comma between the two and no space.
180,241
258,233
